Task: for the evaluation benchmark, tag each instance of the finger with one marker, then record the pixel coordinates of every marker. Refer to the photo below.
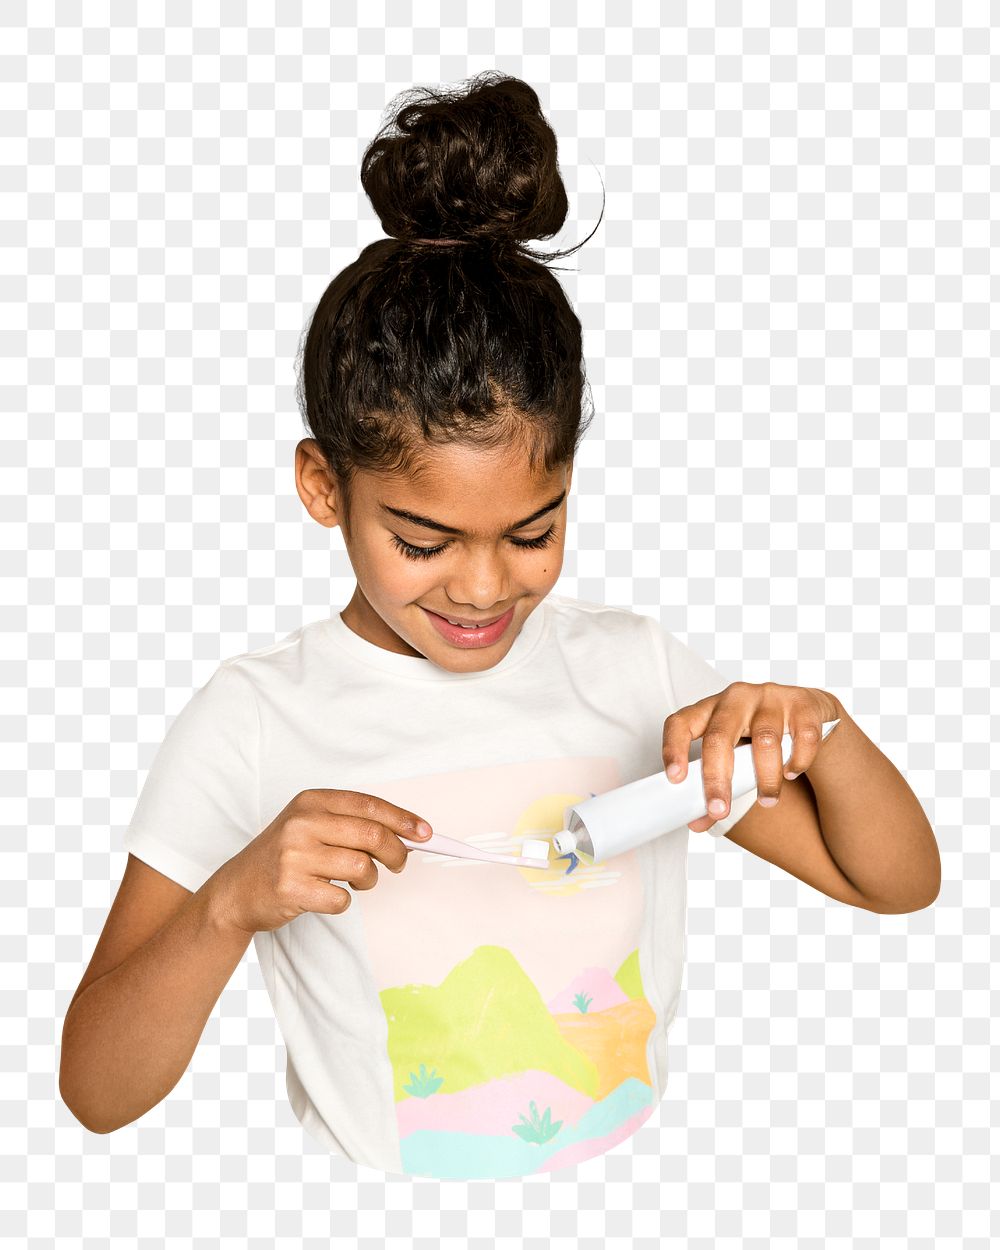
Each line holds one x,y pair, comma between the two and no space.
356,833
346,864
679,730
677,739
807,735
766,730
327,898
371,824
717,756
702,825
405,823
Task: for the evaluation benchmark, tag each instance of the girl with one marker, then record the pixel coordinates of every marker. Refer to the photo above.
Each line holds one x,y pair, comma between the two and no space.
449,1017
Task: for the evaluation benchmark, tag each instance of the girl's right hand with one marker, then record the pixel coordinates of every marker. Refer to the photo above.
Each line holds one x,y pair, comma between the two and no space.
321,835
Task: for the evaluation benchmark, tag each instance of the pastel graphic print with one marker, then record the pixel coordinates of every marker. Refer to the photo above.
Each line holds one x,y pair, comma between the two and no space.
517,1019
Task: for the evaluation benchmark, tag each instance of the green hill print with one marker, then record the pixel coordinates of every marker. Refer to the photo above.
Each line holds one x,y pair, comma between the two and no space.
485,1020
628,976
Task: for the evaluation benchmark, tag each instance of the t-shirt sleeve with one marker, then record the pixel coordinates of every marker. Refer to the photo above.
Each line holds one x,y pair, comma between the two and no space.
199,804
687,678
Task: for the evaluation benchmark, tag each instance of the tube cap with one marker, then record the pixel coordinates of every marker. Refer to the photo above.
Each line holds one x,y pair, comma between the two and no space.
564,842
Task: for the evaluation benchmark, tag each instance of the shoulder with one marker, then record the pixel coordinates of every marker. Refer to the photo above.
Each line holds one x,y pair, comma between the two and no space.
655,654
578,620
290,657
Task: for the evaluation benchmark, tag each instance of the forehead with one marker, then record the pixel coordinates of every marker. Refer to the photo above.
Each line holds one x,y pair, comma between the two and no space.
459,476
474,491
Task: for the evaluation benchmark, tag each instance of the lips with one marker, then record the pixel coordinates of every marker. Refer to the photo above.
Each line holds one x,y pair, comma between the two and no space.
468,638
469,624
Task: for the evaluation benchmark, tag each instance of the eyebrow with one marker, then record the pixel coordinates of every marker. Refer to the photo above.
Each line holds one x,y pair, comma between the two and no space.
427,523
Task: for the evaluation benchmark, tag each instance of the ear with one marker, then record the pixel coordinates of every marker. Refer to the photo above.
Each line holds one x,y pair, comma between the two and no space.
315,484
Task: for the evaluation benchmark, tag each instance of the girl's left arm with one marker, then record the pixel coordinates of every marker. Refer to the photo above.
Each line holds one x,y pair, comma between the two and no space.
850,825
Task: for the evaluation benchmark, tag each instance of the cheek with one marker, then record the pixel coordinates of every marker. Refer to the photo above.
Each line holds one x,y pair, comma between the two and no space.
402,580
551,562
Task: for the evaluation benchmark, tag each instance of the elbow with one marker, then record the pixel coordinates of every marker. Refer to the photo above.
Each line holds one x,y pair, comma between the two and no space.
902,908
91,1128
920,892
78,1111
926,902
82,1118
930,893
930,898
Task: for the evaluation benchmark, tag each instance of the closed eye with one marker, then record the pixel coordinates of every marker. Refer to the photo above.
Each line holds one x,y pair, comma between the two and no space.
425,553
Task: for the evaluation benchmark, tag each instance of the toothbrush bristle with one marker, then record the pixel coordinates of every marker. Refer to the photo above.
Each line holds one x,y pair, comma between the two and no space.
535,848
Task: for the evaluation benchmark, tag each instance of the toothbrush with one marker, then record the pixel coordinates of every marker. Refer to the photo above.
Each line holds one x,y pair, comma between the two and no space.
619,819
537,855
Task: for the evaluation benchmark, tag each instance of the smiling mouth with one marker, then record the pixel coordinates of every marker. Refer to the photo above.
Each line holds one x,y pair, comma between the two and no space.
467,624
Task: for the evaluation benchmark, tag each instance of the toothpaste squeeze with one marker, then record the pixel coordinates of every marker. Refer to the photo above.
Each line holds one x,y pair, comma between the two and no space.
629,816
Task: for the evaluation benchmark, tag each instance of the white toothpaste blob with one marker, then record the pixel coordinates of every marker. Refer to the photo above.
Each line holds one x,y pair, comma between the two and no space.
535,848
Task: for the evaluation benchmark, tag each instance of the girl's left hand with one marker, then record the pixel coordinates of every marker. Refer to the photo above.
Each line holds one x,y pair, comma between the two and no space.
764,713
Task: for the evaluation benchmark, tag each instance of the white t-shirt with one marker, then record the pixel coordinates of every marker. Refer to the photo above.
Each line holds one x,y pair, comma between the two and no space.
461,1019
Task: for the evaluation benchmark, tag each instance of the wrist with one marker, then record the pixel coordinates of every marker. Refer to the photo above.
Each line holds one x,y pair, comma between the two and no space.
218,912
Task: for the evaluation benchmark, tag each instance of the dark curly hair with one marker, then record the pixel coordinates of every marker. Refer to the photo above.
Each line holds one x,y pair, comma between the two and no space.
475,342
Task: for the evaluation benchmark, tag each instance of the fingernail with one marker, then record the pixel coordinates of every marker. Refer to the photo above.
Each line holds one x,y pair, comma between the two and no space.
717,807
423,829
767,800
674,771
790,776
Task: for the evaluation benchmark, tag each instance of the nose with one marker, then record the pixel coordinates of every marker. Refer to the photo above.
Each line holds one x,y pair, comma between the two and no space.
482,582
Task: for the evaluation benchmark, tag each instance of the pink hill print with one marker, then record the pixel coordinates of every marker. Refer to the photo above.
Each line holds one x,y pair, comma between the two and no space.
490,1108
594,989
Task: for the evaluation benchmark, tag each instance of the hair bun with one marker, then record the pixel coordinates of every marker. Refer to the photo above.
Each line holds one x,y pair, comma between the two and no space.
475,164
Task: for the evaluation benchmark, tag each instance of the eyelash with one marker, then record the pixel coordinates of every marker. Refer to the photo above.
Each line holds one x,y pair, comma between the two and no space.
425,553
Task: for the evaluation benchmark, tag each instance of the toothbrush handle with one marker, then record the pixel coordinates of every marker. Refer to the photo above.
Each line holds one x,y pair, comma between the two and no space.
438,844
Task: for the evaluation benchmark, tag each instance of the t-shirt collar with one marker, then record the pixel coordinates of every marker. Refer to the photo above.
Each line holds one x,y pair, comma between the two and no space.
422,669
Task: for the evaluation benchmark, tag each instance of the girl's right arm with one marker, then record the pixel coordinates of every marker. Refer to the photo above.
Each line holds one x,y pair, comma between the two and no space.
130,1033
129,1036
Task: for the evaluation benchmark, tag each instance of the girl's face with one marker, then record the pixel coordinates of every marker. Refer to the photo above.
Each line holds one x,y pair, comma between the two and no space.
483,536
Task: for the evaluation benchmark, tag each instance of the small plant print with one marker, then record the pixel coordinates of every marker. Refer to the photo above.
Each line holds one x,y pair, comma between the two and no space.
425,1084
582,1001
537,1130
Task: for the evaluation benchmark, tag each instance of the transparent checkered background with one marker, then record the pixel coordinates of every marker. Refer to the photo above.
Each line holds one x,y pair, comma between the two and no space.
787,318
